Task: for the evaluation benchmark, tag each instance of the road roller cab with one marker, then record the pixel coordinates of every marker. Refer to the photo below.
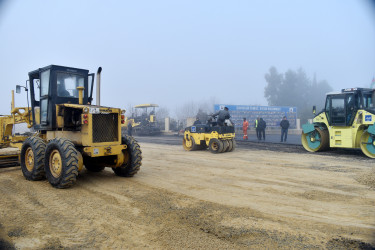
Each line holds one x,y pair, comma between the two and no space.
217,139
347,121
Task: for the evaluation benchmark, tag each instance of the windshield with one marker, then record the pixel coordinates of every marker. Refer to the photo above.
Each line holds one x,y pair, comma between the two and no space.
67,84
368,100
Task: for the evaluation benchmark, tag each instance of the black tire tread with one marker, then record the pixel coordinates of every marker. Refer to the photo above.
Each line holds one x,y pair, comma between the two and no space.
69,157
39,147
130,168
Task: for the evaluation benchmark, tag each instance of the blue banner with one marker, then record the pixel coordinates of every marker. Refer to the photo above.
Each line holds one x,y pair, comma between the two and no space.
271,114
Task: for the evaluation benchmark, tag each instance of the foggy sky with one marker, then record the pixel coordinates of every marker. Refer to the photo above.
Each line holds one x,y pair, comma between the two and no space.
175,52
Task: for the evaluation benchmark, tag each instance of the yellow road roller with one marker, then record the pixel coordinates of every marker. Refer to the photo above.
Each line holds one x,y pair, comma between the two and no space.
218,139
347,121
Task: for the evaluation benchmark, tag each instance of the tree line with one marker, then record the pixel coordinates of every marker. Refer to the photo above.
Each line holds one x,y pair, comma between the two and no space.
295,88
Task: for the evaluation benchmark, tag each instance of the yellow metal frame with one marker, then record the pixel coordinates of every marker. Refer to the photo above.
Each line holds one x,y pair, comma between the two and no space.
198,137
347,136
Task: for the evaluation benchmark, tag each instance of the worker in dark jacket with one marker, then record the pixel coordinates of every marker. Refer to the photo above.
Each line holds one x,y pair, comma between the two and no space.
284,124
221,116
197,121
262,128
130,127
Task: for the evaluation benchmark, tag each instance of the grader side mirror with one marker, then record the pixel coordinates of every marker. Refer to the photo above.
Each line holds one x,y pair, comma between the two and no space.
314,110
18,89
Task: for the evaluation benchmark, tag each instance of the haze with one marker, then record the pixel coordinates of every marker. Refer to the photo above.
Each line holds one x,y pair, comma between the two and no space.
177,52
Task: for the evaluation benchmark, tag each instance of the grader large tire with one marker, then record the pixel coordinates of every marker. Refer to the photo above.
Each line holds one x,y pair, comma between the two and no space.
367,143
215,146
317,140
92,165
133,158
61,163
32,158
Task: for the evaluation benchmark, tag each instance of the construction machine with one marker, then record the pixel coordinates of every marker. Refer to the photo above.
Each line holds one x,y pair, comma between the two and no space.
11,142
143,120
347,121
70,132
218,139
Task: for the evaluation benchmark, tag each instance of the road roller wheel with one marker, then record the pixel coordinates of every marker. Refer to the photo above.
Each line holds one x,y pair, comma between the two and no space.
230,148
133,157
32,158
368,144
61,163
226,145
190,145
215,146
317,140
234,145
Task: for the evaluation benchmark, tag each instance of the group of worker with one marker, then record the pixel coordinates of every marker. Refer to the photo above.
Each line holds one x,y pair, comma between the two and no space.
260,127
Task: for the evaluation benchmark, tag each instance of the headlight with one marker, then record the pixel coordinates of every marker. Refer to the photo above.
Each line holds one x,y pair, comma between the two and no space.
123,111
85,109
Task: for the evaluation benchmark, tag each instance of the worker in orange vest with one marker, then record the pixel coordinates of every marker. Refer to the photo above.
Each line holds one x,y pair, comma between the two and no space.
245,125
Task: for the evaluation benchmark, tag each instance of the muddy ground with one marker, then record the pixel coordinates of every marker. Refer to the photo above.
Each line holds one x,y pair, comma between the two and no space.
259,196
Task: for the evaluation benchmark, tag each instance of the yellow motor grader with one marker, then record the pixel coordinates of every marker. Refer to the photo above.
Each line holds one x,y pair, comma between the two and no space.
217,138
10,142
347,121
71,132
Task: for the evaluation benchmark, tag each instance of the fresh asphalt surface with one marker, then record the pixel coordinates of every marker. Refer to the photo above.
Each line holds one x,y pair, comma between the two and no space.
273,138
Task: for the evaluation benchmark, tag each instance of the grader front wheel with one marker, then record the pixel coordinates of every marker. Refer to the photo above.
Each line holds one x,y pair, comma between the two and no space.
133,158
368,144
32,158
317,140
61,163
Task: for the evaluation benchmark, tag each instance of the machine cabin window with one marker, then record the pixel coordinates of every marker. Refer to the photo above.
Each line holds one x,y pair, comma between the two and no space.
67,85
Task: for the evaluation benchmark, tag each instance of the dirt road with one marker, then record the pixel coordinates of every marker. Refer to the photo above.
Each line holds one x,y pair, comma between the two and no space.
248,198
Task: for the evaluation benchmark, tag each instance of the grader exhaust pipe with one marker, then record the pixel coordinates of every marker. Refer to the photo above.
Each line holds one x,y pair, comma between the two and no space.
98,86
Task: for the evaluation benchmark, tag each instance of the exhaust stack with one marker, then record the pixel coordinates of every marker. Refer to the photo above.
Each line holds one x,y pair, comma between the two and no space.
98,86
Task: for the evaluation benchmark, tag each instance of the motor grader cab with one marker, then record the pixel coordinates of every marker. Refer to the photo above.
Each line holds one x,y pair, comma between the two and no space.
347,121
71,132
218,139
143,120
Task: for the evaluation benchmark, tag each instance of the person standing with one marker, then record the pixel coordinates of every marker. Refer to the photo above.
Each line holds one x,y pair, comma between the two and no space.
130,128
284,124
262,129
256,126
245,125
197,121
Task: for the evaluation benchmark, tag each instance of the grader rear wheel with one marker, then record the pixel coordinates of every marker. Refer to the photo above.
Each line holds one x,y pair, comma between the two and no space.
32,158
133,158
215,146
317,140
61,163
368,144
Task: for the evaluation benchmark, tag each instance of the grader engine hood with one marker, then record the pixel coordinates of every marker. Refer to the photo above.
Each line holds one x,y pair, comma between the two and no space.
89,124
